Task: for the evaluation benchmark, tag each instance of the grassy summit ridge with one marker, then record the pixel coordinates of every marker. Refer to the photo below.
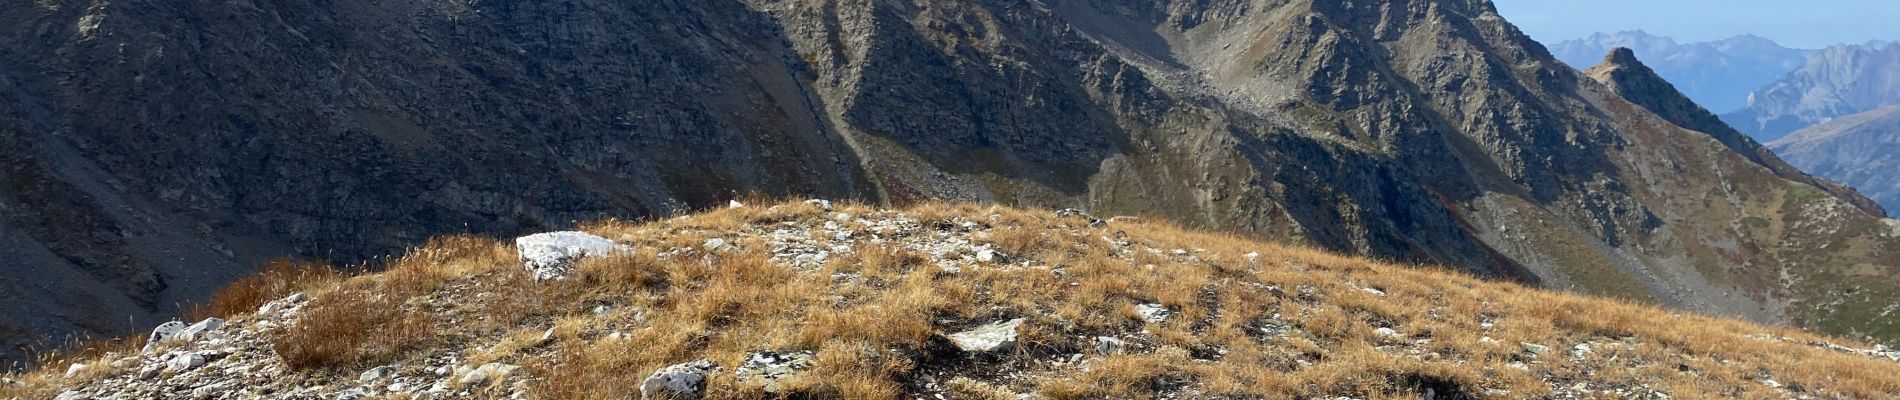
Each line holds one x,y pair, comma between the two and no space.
1123,308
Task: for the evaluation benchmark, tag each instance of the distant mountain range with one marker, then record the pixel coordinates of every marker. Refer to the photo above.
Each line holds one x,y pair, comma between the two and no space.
1838,81
1718,75
1862,150
1829,112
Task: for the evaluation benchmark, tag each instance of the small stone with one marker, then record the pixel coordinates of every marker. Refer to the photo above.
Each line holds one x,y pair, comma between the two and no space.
991,256
352,394
185,362
715,245
552,255
1535,349
151,371
822,204
734,204
375,374
1374,292
1386,332
684,381
489,372
70,395
1105,345
1153,313
206,392
987,338
75,369
197,331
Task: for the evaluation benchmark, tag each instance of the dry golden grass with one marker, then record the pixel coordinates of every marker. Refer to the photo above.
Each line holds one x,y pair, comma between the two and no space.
372,320
1288,322
276,280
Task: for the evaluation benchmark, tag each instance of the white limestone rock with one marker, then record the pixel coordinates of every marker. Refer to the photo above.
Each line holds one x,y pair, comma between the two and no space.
375,374
1535,349
716,245
821,203
486,373
1105,345
198,330
1153,313
185,362
552,255
684,381
989,337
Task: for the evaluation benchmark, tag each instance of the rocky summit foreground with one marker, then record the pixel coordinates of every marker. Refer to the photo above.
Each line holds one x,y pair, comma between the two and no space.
815,300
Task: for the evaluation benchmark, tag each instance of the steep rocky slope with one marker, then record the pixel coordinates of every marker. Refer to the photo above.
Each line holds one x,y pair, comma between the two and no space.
808,300
174,144
1719,75
1862,150
1835,82
1623,73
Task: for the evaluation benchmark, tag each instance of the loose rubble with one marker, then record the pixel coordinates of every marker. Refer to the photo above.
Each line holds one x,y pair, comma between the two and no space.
766,368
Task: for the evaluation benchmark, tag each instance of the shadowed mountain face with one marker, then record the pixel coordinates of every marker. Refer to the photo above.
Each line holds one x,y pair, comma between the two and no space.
1836,82
1718,75
1862,150
168,146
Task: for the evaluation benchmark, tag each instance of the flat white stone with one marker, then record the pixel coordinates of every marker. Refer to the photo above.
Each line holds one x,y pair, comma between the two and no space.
987,338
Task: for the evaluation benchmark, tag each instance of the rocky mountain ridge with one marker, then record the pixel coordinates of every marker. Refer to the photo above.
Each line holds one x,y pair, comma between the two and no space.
174,145
1719,75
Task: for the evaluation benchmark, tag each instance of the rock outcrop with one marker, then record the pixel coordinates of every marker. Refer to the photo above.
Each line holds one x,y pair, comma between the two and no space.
552,255
1623,73
162,149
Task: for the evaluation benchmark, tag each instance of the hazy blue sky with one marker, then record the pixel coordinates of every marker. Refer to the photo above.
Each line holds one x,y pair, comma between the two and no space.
1794,23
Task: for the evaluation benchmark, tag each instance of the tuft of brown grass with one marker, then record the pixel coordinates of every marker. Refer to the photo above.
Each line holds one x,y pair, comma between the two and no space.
275,280
373,319
349,327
